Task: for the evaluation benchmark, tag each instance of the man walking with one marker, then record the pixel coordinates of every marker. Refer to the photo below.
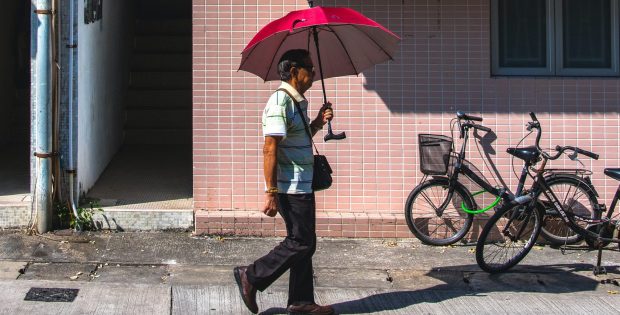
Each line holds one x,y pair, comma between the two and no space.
288,169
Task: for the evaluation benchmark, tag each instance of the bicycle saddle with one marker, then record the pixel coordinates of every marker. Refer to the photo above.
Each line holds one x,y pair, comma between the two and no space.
529,154
613,173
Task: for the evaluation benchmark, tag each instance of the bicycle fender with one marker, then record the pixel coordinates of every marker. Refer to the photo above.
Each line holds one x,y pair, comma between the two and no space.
585,180
457,185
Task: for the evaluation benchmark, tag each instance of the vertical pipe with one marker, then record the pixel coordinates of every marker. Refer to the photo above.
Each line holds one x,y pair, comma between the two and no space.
71,167
43,126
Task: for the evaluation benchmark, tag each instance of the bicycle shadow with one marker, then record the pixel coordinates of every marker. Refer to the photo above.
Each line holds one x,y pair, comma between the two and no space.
484,144
458,281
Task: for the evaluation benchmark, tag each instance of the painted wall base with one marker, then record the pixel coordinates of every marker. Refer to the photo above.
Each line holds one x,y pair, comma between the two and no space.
14,216
145,220
328,224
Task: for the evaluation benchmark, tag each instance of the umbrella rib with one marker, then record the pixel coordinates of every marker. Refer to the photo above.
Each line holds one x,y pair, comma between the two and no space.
373,40
274,57
248,57
345,49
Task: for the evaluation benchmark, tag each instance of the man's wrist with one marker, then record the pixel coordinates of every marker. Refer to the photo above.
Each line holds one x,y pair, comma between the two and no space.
316,126
271,190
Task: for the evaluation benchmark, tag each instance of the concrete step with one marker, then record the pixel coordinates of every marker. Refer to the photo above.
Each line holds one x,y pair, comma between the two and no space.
161,80
164,27
161,62
158,136
163,44
159,98
146,117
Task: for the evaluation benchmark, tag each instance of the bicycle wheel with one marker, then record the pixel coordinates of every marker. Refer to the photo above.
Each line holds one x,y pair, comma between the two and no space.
426,224
507,237
578,199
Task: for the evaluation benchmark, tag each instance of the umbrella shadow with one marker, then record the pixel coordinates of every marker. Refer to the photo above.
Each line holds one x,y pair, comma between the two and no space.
459,281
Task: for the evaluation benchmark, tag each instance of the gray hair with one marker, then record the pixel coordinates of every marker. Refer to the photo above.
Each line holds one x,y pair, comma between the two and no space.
290,59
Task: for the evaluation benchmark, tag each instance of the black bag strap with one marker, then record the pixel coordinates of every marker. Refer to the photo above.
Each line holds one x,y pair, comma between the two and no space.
303,117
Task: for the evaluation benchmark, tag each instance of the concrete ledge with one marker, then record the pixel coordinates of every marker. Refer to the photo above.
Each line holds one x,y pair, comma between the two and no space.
328,224
14,215
144,219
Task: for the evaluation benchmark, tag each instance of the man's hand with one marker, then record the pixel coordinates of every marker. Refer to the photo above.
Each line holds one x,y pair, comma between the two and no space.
326,113
271,207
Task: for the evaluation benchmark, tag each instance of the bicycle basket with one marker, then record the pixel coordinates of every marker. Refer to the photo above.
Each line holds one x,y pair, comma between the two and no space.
435,153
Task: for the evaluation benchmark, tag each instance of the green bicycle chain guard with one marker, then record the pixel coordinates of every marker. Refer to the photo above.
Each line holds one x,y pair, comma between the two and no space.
464,207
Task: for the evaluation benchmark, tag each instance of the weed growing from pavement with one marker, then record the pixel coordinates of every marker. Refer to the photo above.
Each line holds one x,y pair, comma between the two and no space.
85,213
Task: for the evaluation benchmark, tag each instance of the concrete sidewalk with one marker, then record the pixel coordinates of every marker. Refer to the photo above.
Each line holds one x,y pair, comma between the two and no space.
176,273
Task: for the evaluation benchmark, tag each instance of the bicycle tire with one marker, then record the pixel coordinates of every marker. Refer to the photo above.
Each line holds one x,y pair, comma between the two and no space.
454,223
495,250
577,196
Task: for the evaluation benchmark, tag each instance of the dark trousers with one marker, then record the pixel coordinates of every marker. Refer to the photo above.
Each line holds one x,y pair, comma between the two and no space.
294,253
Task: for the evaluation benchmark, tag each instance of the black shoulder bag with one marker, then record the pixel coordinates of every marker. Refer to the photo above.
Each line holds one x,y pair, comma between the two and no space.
322,175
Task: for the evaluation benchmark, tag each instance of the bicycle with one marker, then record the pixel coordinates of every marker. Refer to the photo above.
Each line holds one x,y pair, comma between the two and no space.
512,231
443,218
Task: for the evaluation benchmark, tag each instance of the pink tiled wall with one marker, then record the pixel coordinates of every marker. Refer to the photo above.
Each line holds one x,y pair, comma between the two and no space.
443,65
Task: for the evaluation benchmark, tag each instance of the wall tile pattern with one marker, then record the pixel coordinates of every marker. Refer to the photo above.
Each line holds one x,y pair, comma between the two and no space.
443,65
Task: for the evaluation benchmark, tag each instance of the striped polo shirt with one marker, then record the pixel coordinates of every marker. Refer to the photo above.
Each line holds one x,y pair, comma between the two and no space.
295,157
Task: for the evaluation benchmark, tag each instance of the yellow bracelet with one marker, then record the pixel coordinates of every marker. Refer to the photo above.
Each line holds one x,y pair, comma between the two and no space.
272,190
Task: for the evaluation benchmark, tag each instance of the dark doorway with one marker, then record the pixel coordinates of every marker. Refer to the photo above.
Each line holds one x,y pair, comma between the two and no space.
153,168
14,103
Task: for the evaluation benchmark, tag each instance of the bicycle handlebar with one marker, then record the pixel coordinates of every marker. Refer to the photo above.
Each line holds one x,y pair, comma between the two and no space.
578,150
535,124
462,115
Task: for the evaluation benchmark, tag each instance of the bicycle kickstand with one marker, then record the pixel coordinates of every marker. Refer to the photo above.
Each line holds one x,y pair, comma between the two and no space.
598,269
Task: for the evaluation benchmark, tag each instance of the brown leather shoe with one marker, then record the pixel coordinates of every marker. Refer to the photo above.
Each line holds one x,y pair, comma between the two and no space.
247,291
310,309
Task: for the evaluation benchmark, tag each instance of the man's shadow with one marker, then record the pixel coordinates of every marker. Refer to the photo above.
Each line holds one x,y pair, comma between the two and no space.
524,278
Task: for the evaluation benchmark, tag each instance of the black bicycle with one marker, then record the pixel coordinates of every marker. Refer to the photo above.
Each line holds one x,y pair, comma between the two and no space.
512,231
440,211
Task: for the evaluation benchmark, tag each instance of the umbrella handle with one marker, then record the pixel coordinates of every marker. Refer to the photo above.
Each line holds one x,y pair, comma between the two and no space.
330,134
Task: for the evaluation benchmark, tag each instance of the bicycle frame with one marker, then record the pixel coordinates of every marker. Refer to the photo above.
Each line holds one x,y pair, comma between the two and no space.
460,168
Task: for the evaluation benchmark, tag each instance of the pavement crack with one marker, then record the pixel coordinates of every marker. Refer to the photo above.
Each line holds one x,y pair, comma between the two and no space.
389,277
93,273
22,271
171,299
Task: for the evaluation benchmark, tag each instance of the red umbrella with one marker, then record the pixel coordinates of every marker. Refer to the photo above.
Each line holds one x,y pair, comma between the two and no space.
349,44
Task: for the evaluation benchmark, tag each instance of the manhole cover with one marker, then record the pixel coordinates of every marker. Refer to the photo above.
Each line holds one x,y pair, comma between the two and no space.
51,295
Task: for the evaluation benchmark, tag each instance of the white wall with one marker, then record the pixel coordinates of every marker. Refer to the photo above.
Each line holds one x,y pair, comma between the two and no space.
103,75
7,63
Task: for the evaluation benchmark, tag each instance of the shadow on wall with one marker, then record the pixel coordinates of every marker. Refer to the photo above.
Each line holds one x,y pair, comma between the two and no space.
443,65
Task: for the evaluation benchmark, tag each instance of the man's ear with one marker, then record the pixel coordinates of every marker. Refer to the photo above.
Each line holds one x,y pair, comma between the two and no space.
294,71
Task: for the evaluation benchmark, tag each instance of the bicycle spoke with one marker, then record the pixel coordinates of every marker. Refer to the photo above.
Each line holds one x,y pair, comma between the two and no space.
427,198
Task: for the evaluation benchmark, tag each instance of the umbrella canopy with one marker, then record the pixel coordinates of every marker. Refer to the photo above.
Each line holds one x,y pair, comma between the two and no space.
349,42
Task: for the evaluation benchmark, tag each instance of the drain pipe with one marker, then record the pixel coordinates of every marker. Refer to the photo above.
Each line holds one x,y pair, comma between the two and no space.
43,127
71,169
